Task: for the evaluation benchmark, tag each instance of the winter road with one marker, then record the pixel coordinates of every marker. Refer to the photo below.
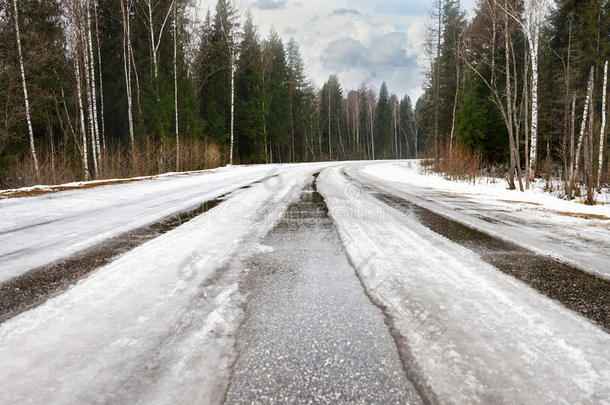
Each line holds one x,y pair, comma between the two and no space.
314,283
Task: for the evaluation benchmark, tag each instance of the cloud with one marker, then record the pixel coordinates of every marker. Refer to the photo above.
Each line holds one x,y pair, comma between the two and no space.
344,11
385,58
270,4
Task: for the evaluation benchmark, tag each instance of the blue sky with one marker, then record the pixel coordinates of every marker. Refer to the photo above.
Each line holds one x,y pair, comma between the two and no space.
362,41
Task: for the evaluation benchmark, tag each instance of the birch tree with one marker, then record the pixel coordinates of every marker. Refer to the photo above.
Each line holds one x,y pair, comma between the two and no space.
126,7
583,127
534,13
602,133
25,89
150,10
176,86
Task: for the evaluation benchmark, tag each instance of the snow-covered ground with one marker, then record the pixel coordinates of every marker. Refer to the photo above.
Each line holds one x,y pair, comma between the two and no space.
470,333
572,232
158,324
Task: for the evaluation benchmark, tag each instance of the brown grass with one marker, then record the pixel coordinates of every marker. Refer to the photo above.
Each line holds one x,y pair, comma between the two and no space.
583,215
520,202
457,163
151,157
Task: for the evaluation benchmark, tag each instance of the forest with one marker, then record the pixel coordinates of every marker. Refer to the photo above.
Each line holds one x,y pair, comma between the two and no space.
523,85
95,89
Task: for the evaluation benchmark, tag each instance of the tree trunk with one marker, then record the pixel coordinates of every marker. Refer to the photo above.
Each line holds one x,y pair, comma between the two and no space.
232,104
534,126
176,86
514,158
93,84
25,90
437,88
125,9
455,101
79,94
602,133
89,92
588,156
99,61
572,141
583,127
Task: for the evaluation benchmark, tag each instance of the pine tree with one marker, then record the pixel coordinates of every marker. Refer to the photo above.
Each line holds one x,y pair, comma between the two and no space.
383,125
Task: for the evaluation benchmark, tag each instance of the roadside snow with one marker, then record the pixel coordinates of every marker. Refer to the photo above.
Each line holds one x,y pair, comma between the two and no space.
157,326
468,333
571,232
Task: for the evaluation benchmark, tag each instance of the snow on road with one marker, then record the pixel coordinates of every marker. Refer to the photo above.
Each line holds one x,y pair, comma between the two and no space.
35,231
469,333
571,232
157,325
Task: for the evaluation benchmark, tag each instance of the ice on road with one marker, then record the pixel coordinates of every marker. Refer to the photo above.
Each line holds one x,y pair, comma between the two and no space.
471,333
35,231
157,325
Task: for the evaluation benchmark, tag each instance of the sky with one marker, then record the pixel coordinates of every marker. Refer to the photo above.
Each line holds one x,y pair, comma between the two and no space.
362,41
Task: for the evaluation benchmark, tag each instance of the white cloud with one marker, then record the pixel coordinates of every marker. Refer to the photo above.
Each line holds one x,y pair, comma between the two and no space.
359,40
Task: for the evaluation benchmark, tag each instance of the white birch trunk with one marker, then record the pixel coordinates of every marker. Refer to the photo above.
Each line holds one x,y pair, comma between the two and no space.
99,61
232,104
93,84
455,101
79,94
25,90
602,133
534,124
127,67
176,85
155,41
87,68
583,127
151,28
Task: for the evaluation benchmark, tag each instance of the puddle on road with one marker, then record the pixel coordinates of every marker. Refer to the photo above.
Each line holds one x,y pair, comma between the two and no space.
578,290
311,334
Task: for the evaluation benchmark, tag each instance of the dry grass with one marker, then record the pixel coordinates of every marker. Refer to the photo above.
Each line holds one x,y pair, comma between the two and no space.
583,215
457,163
520,202
151,157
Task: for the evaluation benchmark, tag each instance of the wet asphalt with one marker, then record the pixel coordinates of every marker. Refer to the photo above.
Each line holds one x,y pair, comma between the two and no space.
311,335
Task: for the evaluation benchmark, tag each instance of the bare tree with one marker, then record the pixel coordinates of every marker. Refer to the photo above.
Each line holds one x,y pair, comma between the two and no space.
126,7
477,59
149,7
602,133
176,85
438,14
583,127
534,14
25,89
